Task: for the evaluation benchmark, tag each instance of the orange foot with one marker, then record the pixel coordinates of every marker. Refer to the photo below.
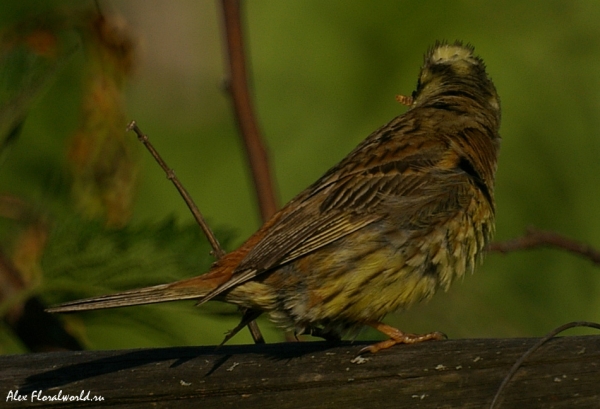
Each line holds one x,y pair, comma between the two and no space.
397,337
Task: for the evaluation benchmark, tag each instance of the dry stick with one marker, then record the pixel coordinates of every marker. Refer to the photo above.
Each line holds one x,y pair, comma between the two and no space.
246,120
244,112
217,251
537,238
535,347
534,238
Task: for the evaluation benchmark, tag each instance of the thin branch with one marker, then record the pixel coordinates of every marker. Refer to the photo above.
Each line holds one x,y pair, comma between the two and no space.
535,238
534,348
244,111
217,250
248,125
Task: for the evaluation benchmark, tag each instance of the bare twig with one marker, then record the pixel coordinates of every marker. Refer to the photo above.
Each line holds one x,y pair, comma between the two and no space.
217,251
248,125
246,119
534,348
534,238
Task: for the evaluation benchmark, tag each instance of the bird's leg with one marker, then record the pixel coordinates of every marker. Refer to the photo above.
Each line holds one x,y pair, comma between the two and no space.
397,337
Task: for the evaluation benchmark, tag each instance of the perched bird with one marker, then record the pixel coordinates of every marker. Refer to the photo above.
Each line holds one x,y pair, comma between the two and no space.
409,210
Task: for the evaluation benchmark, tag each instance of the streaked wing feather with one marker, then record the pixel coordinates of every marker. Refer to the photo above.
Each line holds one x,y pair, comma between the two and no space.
307,238
335,230
343,201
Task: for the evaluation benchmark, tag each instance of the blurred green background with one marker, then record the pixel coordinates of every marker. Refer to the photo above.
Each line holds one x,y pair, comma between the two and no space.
324,76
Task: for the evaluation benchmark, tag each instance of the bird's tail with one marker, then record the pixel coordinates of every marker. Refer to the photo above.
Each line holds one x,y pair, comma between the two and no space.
192,288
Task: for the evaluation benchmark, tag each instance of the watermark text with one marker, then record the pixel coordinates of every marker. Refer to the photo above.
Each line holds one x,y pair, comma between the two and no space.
40,396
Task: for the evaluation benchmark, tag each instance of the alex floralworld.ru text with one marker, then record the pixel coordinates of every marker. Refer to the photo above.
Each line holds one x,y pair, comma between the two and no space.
39,396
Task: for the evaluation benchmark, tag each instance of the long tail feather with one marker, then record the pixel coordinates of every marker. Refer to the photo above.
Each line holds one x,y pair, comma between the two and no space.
190,289
148,295
195,288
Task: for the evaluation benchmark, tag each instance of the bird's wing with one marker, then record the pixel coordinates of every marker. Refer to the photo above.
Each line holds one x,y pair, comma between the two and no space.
347,198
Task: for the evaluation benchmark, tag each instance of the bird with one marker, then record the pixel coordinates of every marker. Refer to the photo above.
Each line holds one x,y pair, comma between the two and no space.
405,213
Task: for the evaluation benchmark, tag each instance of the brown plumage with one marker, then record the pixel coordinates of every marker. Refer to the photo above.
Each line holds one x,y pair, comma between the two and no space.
406,212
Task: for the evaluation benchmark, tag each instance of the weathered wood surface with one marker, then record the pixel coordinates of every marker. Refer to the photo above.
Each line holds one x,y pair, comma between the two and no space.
564,373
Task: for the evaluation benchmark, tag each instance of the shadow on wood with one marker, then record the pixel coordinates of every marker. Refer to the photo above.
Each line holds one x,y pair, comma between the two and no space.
564,373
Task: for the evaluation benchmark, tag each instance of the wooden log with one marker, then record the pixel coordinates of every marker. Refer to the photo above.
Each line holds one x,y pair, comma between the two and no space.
564,373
